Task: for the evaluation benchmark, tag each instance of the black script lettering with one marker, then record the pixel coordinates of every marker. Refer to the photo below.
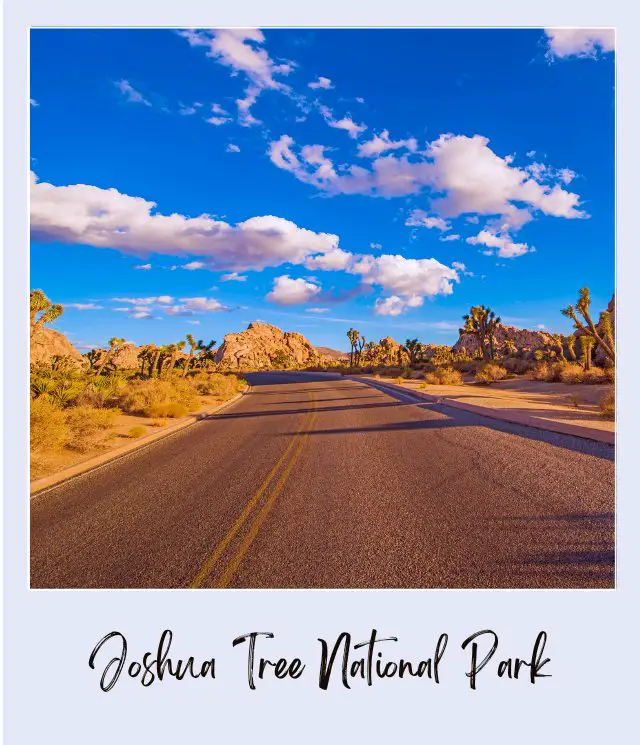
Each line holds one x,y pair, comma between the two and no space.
475,668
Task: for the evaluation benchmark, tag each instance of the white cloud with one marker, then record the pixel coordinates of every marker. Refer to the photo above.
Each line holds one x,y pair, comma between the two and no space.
218,121
360,100
231,148
419,218
144,267
243,51
450,237
579,42
192,266
394,305
130,93
408,278
331,261
375,246
460,267
541,326
317,310
379,144
462,173
33,102
162,299
194,323
186,110
83,306
105,218
346,123
233,277
506,248
217,109
321,83
288,291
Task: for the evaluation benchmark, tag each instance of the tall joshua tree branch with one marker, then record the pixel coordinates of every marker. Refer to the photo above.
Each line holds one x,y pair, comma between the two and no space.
588,327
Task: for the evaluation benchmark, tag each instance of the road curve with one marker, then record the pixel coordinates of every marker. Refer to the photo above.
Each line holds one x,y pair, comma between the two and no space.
314,481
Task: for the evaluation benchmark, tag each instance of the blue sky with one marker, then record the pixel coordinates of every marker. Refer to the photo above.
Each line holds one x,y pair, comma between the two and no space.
194,181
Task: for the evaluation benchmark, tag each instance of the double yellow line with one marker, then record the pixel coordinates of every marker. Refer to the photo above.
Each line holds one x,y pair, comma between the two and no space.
284,466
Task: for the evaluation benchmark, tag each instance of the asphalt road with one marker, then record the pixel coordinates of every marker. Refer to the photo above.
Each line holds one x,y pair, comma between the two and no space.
311,480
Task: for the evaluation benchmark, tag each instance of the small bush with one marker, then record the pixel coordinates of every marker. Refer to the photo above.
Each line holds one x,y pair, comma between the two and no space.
547,372
608,405
216,384
517,366
136,432
443,376
171,410
86,426
48,426
490,372
574,374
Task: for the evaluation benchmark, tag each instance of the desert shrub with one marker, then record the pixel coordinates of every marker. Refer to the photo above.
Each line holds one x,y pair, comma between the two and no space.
136,432
517,366
466,366
216,384
546,372
574,374
608,405
490,372
48,426
443,376
141,396
171,410
86,426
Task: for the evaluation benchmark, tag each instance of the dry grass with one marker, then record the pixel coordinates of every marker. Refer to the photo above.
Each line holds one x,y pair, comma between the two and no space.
169,409
443,376
608,405
87,426
490,372
48,426
574,374
136,432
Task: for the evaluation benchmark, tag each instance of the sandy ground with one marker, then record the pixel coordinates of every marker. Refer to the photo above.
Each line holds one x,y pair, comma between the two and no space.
115,437
577,404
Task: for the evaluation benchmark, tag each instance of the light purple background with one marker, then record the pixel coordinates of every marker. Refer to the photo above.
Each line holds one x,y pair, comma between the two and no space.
51,695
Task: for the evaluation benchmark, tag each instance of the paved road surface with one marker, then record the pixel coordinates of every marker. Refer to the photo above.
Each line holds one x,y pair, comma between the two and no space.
311,480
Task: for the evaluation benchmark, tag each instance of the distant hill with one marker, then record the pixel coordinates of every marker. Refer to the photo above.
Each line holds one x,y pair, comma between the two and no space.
333,353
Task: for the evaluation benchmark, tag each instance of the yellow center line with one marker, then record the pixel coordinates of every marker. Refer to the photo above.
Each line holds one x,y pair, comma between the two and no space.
220,548
235,561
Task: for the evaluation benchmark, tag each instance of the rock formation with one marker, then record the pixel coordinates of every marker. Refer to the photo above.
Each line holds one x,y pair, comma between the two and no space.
263,346
333,353
524,340
123,358
47,344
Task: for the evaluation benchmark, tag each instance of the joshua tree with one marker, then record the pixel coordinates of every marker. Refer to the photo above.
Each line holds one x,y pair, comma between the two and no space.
414,350
587,326
586,345
353,336
482,322
40,303
92,356
557,345
371,351
193,347
114,343
571,347
171,355
207,352
359,346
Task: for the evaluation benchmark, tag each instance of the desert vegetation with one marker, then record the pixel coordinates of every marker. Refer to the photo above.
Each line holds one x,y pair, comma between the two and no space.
488,352
77,407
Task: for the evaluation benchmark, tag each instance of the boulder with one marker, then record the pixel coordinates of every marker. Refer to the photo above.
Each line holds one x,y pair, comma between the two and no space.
263,346
524,340
47,344
124,357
